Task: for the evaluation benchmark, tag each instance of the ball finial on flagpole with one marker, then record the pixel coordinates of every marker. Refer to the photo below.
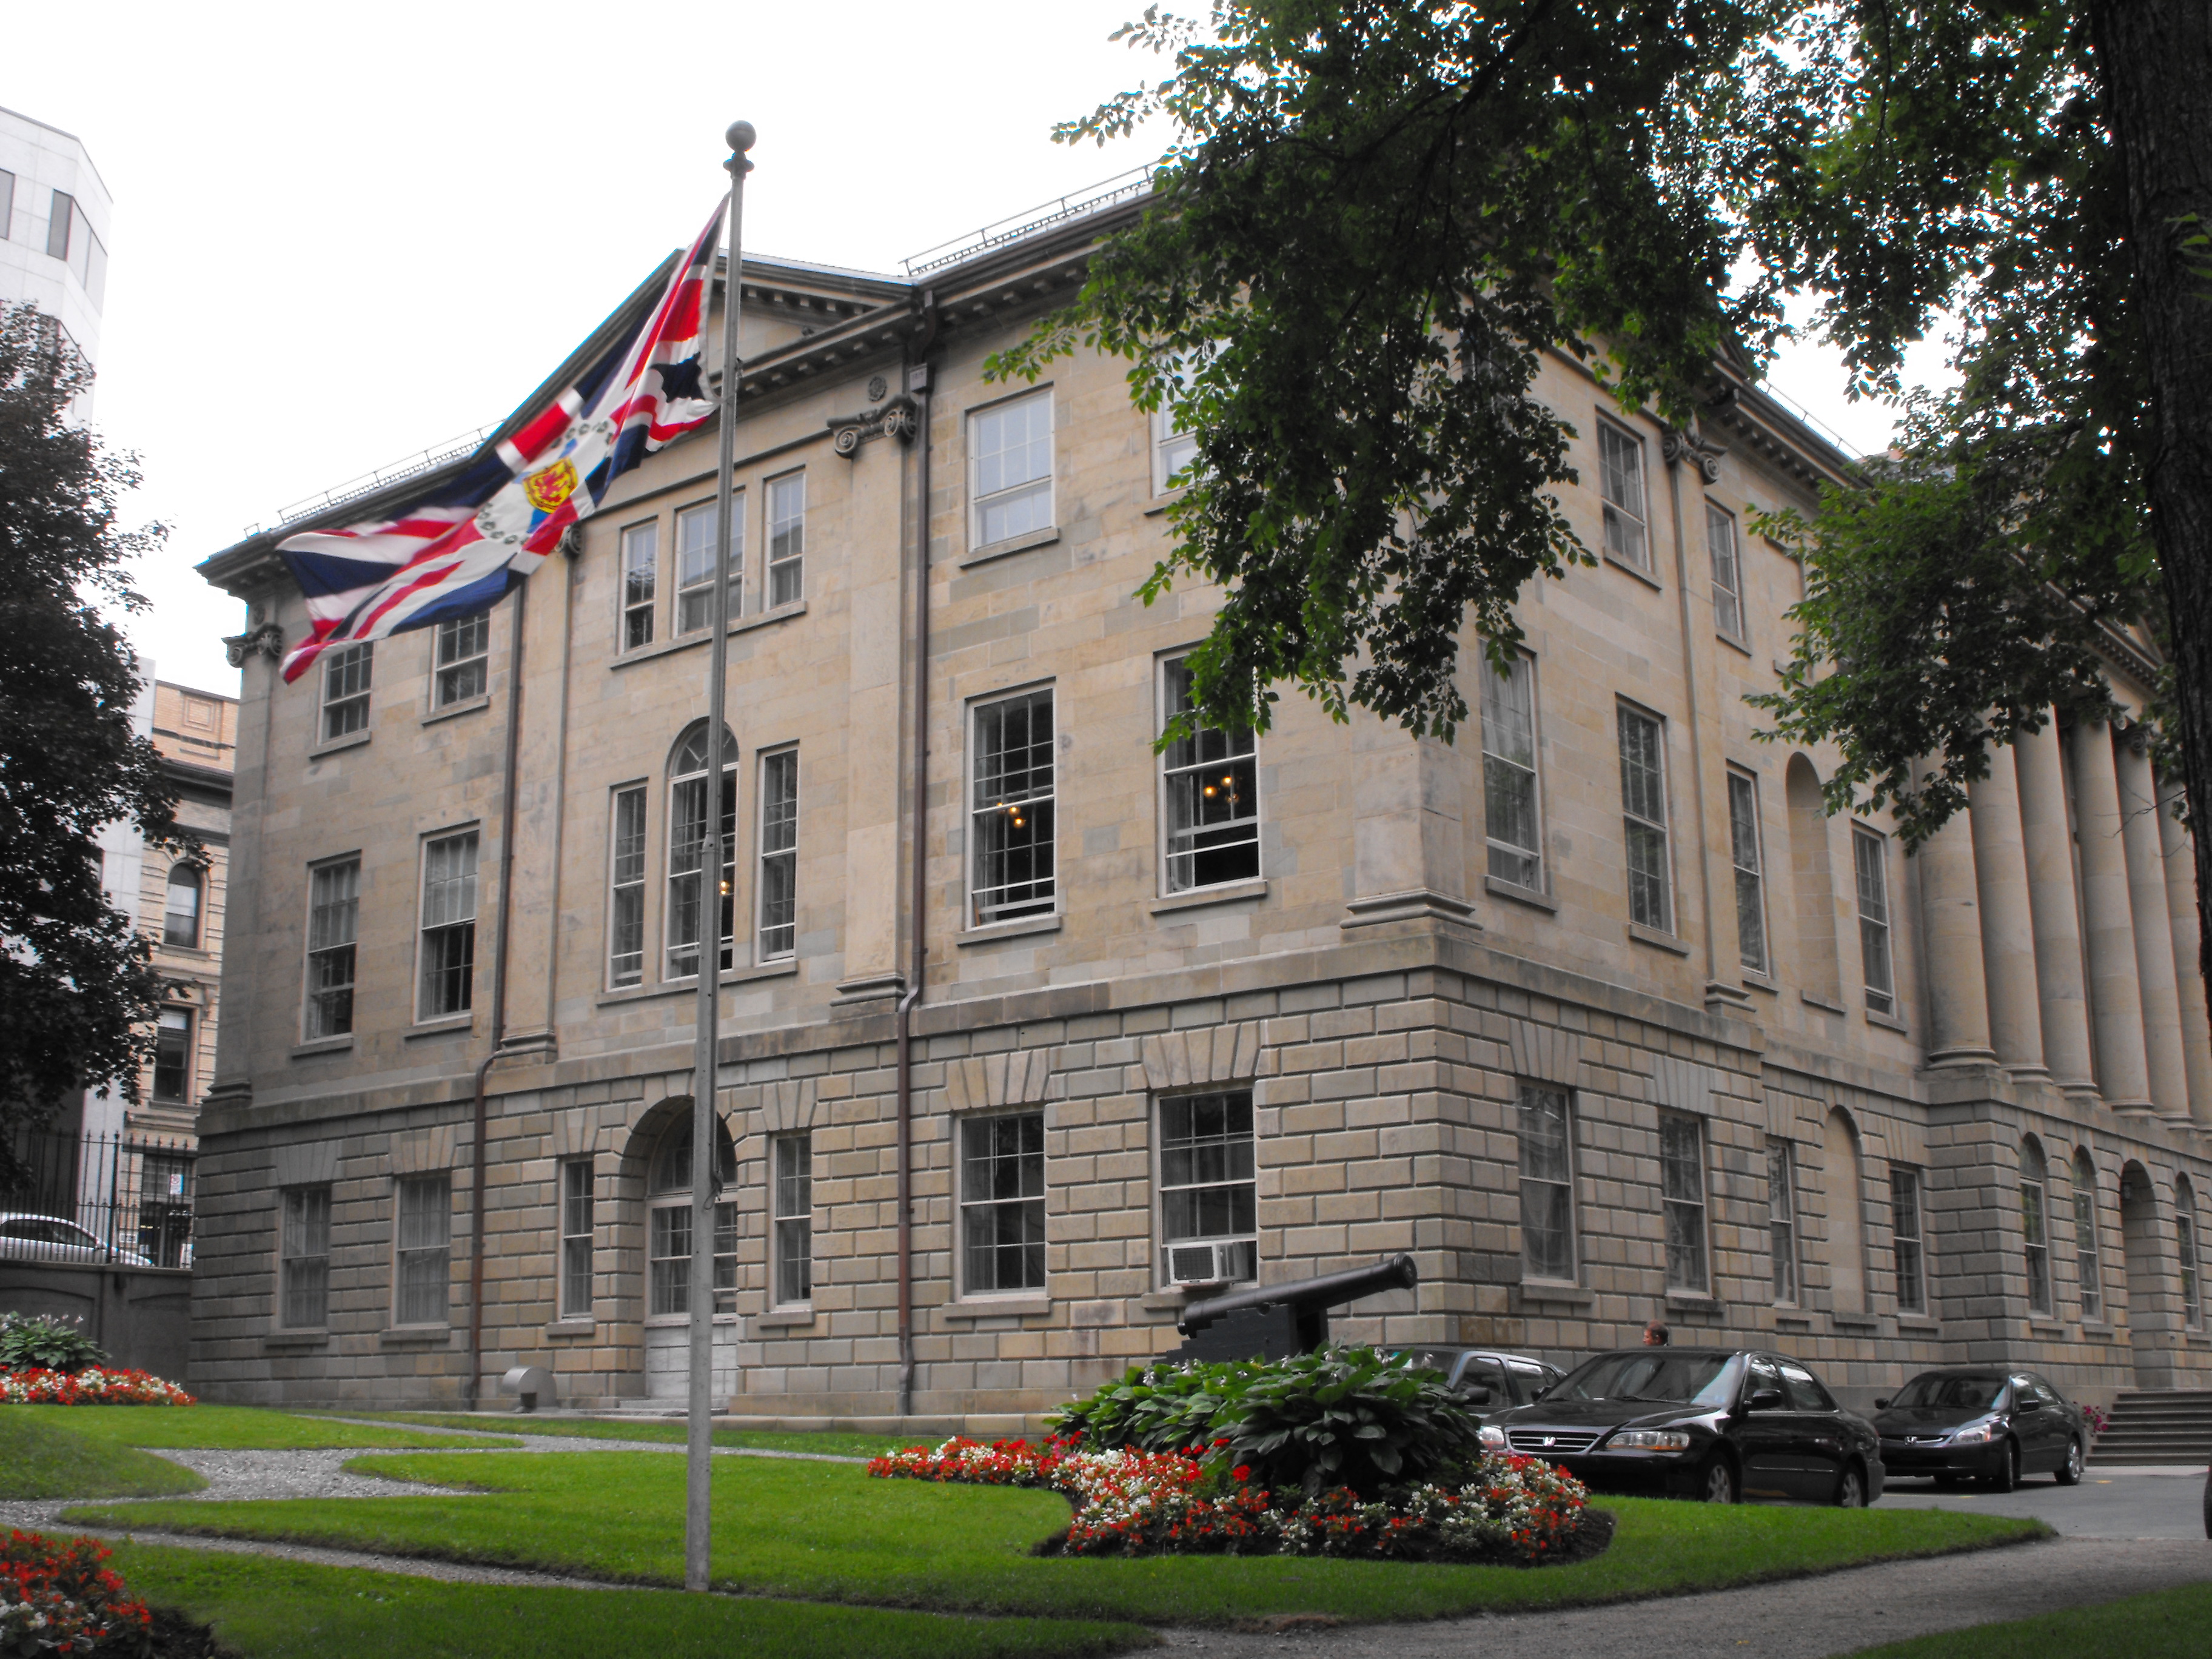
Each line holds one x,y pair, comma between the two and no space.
741,135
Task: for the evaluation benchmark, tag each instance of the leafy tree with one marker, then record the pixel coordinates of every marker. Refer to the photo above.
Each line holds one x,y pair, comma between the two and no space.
77,991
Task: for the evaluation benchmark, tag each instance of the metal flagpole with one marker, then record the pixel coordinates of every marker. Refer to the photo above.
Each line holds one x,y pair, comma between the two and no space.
699,1442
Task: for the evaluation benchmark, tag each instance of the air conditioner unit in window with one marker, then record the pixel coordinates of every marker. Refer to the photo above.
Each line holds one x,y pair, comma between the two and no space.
1202,1264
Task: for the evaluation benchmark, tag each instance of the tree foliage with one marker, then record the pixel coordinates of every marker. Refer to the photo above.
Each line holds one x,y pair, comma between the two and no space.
76,986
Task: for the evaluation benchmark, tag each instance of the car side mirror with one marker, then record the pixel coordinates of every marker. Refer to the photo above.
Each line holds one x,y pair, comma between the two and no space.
1764,1399
1475,1394
1882,1404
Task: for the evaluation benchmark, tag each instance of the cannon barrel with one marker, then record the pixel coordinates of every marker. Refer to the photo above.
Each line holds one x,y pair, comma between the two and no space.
1397,1273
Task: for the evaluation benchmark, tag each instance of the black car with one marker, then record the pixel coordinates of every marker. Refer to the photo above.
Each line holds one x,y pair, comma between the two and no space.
1977,1422
1715,1424
1489,1379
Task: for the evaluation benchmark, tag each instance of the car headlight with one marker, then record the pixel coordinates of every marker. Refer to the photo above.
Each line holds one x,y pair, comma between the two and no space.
1493,1437
1650,1440
1974,1434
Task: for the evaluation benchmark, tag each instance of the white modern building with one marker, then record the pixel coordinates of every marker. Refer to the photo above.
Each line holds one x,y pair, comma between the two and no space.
54,218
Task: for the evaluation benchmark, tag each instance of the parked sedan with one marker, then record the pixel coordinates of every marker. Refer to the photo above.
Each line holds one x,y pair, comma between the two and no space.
1489,1379
1715,1424
1976,1424
51,1238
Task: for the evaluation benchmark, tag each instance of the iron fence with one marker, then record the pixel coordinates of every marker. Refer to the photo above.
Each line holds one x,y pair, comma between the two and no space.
121,1200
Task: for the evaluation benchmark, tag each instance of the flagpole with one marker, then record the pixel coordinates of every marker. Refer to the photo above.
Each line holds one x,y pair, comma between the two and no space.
699,1440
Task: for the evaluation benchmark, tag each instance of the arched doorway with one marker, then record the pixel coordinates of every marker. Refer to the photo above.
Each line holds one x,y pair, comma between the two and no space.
661,1149
2150,1308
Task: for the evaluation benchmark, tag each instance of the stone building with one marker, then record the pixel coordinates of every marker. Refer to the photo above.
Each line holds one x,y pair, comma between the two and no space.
1593,1011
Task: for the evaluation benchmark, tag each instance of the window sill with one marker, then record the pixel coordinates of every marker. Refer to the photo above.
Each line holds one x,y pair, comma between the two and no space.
455,710
1199,898
1793,1319
2046,1330
460,1025
1728,639
1887,1021
1011,545
683,1322
1864,1323
1636,571
1652,936
783,968
2098,1327
783,1319
1814,1001
1520,895
1162,503
1556,1290
1759,982
278,1340
1694,1301
1912,1324
406,1336
339,745
572,1327
1173,1299
1011,1307
1008,930
323,1046
703,635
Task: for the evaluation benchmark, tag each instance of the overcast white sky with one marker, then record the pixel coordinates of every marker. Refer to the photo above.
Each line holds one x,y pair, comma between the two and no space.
342,236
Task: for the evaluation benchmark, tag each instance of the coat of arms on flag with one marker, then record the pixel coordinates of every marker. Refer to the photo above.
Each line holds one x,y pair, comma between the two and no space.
463,544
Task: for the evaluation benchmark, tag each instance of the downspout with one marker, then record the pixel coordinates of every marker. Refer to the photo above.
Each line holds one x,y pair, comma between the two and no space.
1673,453
917,369
481,1142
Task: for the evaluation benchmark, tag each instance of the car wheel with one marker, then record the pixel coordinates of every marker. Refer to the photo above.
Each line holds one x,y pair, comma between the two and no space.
2069,1472
1851,1490
2005,1477
1716,1482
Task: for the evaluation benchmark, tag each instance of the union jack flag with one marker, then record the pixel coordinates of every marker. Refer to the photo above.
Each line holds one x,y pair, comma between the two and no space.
457,549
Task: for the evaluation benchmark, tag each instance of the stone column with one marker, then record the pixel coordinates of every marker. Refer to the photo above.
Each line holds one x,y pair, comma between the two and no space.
2153,929
2008,933
2049,845
2108,922
2180,858
1950,910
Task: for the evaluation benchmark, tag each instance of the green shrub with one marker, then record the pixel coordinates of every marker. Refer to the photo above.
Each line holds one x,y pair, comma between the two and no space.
1338,1416
30,1341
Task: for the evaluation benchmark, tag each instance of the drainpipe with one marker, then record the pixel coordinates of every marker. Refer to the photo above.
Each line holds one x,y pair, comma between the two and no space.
904,1088
480,1143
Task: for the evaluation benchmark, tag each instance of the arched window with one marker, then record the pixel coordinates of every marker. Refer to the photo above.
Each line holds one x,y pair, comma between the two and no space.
687,849
2185,1239
2087,1261
668,1234
2034,1224
181,920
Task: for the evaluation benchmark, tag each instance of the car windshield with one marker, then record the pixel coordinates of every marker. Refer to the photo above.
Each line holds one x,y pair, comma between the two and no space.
1956,1394
1694,1379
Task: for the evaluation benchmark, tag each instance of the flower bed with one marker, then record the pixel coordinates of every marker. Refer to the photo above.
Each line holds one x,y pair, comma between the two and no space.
56,1597
96,1385
1130,1502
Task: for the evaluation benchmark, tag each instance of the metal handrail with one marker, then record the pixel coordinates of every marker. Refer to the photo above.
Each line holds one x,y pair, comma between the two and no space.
1122,186
423,460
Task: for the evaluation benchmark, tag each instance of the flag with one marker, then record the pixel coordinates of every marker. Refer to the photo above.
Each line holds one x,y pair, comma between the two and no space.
458,548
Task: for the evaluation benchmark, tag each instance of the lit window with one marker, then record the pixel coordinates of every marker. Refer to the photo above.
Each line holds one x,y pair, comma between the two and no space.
1750,871
626,889
576,1238
1547,1209
694,563
2034,1227
303,1265
449,926
1173,450
1682,1194
787,539
687,851
1905,1239
346,673
1209,1193
1728,573
2088,1264
1782,1219
333,914
180,916
1621,467
779,855
1644,805
1011,469
172,1056
1509,773
640,571
1011,813
426,1222
795,1219
464,658
1873,919
1212,807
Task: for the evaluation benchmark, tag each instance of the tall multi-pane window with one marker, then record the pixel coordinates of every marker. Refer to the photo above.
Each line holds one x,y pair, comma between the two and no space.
1547,1189
1644,807
1173,450
1867,853
303,1258
794,1218
779,855
640,576
694,563
668,1226
1682,1195
1009,472
1620,474
463,659
426,1220
2089,1262
333,915
2034,1226
626,889
180,907
172,1056
687,851
1510,809
786,538
1209,1195
2185,1239
6,202
1213,797
61,215
1750,871
576,1238
1782,1219
1002,1202
1012,810
346,674
1904,1232
449,926
1728,573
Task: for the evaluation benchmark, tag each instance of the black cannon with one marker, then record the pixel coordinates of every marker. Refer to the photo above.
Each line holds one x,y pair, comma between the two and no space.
1277,1321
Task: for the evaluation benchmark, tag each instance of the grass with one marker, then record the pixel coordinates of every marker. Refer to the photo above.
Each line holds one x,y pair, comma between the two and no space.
228,1428
269,1609
41,1460
2163,1625
826,1532
594,1428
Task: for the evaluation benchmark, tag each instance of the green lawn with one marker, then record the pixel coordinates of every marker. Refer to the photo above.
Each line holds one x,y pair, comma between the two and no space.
826,1532
42,1460
597,1428
269,1609
2164,1625
228,1428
